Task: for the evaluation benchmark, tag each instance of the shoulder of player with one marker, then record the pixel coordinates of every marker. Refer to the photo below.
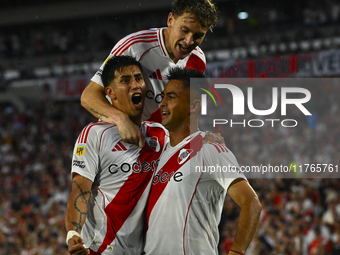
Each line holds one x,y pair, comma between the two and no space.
198,52
139,41
154,126
139,34
95,130
215,148
196,60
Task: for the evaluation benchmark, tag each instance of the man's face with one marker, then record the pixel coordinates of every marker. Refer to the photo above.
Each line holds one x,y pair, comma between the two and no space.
127,90
186,33
175,106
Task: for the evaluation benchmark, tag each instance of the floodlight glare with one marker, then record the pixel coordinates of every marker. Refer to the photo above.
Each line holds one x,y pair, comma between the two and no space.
243,15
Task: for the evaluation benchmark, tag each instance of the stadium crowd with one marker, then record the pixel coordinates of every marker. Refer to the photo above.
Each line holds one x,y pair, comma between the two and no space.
35,178
272,28
300,216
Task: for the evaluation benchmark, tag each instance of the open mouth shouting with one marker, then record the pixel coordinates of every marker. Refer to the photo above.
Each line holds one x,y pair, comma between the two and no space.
137,99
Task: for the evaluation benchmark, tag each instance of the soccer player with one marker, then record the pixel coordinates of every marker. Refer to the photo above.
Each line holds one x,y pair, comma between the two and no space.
111,178
185,204
157,50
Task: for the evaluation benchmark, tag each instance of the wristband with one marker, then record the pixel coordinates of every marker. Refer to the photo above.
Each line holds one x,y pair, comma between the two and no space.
237,252
70,234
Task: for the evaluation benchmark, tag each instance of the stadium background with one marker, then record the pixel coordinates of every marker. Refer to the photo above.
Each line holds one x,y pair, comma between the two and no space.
49,51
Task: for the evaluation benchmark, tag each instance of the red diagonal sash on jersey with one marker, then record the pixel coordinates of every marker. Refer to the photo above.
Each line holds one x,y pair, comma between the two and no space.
171,166
120,208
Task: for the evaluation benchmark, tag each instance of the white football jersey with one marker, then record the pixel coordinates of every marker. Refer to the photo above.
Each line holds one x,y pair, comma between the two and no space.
121,174
148,47
185,202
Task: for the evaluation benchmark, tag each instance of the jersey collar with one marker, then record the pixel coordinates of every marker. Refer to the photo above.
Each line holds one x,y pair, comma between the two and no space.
161,42
186,140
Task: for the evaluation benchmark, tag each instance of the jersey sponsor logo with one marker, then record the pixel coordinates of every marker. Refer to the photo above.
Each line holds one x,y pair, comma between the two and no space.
135,167
184,155
165,176
151,95
80,150
78,163
119,147
156,75
153,143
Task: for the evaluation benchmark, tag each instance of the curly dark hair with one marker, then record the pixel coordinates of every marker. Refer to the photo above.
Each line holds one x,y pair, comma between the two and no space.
204,10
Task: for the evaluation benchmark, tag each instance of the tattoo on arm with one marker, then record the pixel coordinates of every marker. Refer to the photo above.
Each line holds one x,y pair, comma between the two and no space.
98,114
84,197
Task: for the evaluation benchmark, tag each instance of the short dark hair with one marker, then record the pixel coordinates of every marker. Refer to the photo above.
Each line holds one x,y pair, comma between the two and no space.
204,10
184,75
114,64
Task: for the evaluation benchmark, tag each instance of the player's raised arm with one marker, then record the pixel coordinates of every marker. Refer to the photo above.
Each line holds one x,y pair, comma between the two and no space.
93,99
76,213
244,195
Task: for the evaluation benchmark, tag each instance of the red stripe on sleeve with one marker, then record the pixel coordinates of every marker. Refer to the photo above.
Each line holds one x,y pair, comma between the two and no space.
159,74
85,131
160,41
120,52
86,134
224,149
80,136
217,148
122,146
135,37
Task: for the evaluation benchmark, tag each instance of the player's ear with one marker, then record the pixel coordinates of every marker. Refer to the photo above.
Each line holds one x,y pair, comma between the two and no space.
195,106
171,19
110,92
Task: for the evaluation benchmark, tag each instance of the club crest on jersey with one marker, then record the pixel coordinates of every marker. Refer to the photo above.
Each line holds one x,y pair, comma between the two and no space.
153,143
183,155
80,150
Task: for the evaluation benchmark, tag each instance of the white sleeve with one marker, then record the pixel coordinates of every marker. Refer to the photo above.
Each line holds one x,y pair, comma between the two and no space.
85,156
222,163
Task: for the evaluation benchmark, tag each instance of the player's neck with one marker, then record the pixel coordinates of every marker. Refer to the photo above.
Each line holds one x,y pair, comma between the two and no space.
166,33
137,120
183,131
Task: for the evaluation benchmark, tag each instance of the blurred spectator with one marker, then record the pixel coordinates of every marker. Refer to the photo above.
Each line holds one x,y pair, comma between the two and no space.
35,153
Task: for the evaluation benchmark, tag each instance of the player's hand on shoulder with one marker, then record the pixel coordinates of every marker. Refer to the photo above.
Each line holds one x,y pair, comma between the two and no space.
213,137
75,246
129,131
